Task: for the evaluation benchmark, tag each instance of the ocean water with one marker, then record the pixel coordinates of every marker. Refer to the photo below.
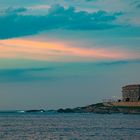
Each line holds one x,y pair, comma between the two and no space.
45,126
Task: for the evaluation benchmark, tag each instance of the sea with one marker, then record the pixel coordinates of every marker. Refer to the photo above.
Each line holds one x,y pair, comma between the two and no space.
69,126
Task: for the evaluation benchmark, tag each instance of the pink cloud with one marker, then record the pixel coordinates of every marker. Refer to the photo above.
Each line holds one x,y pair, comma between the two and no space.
56,51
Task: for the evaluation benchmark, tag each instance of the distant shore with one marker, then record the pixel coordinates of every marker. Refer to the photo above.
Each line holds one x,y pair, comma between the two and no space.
100,108
103,108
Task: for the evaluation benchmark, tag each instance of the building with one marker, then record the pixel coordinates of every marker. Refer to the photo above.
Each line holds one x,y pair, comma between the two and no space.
131,93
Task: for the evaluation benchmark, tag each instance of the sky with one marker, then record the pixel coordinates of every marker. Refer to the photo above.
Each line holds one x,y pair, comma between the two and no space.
67,53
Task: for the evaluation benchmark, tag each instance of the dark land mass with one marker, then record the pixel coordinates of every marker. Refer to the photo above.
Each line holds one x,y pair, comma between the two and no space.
102,109
34,111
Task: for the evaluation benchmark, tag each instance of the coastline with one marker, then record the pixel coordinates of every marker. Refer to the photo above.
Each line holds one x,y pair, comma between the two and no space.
99,108
102,108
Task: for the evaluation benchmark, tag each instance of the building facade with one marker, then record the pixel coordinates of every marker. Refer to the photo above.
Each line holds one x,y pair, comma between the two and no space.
131,93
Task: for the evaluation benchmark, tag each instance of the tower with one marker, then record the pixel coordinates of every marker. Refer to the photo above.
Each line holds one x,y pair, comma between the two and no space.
131,93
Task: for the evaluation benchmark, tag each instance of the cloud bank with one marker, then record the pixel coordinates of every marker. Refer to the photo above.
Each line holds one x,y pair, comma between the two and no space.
62,71
13,23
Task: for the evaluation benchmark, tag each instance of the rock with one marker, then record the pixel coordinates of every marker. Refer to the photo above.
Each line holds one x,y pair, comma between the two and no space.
67,110
34,111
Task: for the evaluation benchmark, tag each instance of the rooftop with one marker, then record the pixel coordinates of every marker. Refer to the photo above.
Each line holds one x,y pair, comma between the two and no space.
132,86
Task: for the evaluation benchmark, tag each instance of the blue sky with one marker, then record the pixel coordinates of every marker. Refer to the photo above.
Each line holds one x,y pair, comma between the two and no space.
62,53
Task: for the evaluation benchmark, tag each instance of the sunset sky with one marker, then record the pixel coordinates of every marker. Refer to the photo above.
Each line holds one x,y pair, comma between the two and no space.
67,53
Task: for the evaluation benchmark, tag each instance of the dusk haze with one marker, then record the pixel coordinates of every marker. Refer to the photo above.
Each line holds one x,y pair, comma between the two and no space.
69,69
63,53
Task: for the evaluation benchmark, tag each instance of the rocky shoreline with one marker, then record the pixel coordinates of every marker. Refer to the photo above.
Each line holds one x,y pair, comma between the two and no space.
102,109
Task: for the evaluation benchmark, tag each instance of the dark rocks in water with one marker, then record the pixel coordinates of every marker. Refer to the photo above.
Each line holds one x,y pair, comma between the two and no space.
129,110
67,110
35,111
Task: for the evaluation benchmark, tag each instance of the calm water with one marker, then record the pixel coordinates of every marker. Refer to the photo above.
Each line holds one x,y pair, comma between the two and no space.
43,126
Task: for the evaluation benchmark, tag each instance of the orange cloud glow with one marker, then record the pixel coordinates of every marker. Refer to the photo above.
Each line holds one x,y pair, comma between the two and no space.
29,49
